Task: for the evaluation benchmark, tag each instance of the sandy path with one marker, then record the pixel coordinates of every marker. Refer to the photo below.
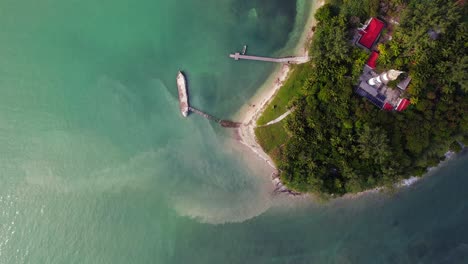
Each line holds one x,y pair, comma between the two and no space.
281,117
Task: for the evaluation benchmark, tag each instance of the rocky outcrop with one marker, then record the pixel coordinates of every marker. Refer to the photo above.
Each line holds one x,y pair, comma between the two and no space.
280,187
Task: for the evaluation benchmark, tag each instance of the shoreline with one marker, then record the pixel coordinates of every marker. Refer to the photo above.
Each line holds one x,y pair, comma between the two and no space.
250,112
449,155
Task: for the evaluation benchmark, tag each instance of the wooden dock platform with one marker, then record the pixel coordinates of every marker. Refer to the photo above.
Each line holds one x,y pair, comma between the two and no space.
293,60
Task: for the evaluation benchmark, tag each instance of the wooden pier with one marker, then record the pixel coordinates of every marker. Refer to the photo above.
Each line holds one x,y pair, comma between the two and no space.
223,123
292,60
205,115
239,56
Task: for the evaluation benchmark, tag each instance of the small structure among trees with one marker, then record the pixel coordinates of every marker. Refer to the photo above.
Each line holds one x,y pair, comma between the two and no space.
372,85
368,34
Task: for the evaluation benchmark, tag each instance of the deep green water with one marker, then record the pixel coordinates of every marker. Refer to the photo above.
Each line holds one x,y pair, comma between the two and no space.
97,165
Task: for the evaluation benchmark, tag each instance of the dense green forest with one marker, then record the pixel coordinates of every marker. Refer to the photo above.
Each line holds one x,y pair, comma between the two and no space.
337,142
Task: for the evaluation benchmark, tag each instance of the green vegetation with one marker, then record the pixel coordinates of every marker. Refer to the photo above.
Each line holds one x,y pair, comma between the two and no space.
464,140
271,138
290,89
455,147
340,142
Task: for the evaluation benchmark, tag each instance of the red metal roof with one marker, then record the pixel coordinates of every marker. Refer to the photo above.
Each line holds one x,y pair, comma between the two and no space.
371,33
372,59
388,107
403,104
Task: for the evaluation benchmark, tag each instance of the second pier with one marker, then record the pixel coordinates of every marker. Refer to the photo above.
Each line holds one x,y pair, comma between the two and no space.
294,60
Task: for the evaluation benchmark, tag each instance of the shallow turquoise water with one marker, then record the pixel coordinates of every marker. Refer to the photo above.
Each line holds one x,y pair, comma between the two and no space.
97,166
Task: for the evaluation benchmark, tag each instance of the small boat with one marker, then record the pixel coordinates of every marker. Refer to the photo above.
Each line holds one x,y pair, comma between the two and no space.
182,90
244,50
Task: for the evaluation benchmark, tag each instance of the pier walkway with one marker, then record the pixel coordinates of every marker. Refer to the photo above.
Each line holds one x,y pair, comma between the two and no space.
293,60
205,115
223,123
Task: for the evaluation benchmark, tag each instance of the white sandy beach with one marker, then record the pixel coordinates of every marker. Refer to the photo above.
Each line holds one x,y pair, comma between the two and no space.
251,111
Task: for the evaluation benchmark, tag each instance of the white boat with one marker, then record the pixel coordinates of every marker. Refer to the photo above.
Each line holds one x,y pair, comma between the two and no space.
182,90
244,50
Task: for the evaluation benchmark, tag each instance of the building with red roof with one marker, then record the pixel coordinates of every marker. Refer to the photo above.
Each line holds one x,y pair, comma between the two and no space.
371,62
370,33
378,93
373,86
388,107
403,104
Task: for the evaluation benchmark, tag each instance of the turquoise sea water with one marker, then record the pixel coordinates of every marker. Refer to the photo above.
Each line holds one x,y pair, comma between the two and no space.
98,166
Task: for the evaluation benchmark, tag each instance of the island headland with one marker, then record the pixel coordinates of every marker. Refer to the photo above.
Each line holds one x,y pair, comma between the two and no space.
378,104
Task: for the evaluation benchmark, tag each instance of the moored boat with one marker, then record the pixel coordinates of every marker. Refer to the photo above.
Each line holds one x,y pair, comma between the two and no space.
182,91
244,50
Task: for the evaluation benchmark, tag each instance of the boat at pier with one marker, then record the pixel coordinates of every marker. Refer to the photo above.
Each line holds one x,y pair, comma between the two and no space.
244,50
182,91
185,108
